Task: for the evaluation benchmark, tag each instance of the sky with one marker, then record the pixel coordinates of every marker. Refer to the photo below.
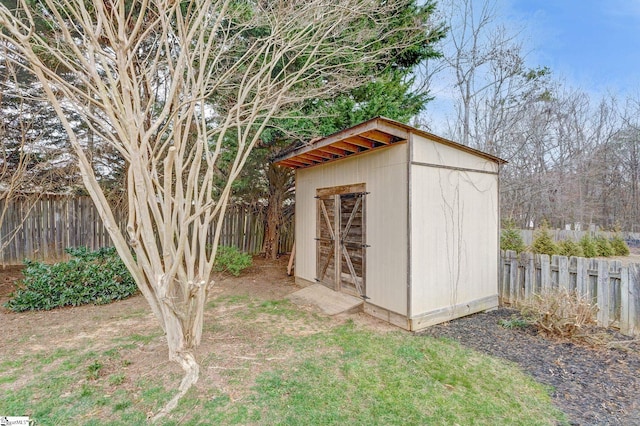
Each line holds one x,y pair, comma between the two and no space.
593,44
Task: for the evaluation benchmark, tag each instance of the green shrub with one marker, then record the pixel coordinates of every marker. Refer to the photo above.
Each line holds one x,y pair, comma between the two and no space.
603,246
232,260
513,322
619,246
542,241
97,277
588,244
510,238
570,248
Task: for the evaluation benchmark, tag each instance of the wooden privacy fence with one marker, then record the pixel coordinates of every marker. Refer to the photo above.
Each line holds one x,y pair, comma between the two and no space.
613,287
43,228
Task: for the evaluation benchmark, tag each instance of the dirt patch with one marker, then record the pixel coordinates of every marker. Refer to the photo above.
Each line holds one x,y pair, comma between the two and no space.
591,384
9,275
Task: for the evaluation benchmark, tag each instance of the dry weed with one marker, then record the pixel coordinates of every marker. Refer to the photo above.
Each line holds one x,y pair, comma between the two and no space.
559,312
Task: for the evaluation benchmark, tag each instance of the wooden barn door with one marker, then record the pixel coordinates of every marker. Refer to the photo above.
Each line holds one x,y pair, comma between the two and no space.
341,238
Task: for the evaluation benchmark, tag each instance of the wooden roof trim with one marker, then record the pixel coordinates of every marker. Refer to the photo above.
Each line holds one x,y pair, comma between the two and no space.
361,141
312,156
291,163
334,138
321,154
396,129
444,141
346,146
351,141
331,150
363,138
378,136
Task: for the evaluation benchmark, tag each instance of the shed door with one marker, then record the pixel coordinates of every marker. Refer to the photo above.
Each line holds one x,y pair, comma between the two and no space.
341,235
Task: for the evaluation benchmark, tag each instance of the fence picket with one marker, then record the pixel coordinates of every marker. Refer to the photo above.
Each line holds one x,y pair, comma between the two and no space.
625,318
633,306
615,288
545,272
582,276
529,277
55,222
514,278
602,293
563,273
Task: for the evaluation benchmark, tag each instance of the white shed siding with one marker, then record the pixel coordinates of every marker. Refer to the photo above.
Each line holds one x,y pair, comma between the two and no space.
384,172
454,214
430,152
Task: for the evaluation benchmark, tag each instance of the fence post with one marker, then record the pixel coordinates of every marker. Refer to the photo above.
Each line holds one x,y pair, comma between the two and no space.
504,288
625,324
513,277
634,299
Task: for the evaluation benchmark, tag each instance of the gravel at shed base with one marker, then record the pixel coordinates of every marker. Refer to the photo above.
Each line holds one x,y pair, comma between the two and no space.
593,385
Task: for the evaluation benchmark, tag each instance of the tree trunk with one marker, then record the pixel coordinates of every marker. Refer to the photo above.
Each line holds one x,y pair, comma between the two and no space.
182,308
187,361
279,183
272,227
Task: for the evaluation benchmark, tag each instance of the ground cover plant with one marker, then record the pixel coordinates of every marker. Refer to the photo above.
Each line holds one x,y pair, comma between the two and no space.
232,260
265,361
96,277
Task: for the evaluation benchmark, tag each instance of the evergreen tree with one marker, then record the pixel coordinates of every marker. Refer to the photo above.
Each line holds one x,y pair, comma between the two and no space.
543,242
510,238
588,245
387,91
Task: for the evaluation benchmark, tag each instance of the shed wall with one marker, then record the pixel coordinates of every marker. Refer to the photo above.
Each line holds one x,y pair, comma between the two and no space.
454,235
385,174
433,153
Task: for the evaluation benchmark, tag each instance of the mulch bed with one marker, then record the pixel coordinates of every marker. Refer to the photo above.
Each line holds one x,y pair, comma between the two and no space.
593,384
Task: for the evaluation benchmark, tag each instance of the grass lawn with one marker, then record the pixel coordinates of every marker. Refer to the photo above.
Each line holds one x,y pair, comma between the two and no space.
264,361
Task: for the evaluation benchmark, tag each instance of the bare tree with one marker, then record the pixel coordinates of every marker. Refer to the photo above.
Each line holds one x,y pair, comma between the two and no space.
31,161
573,158
619,162
165,83
480,59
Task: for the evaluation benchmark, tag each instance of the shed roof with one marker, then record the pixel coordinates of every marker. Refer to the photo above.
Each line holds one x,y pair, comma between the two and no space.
373,134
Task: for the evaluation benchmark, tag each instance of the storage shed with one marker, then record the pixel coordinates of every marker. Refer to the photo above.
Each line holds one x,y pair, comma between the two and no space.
402,218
